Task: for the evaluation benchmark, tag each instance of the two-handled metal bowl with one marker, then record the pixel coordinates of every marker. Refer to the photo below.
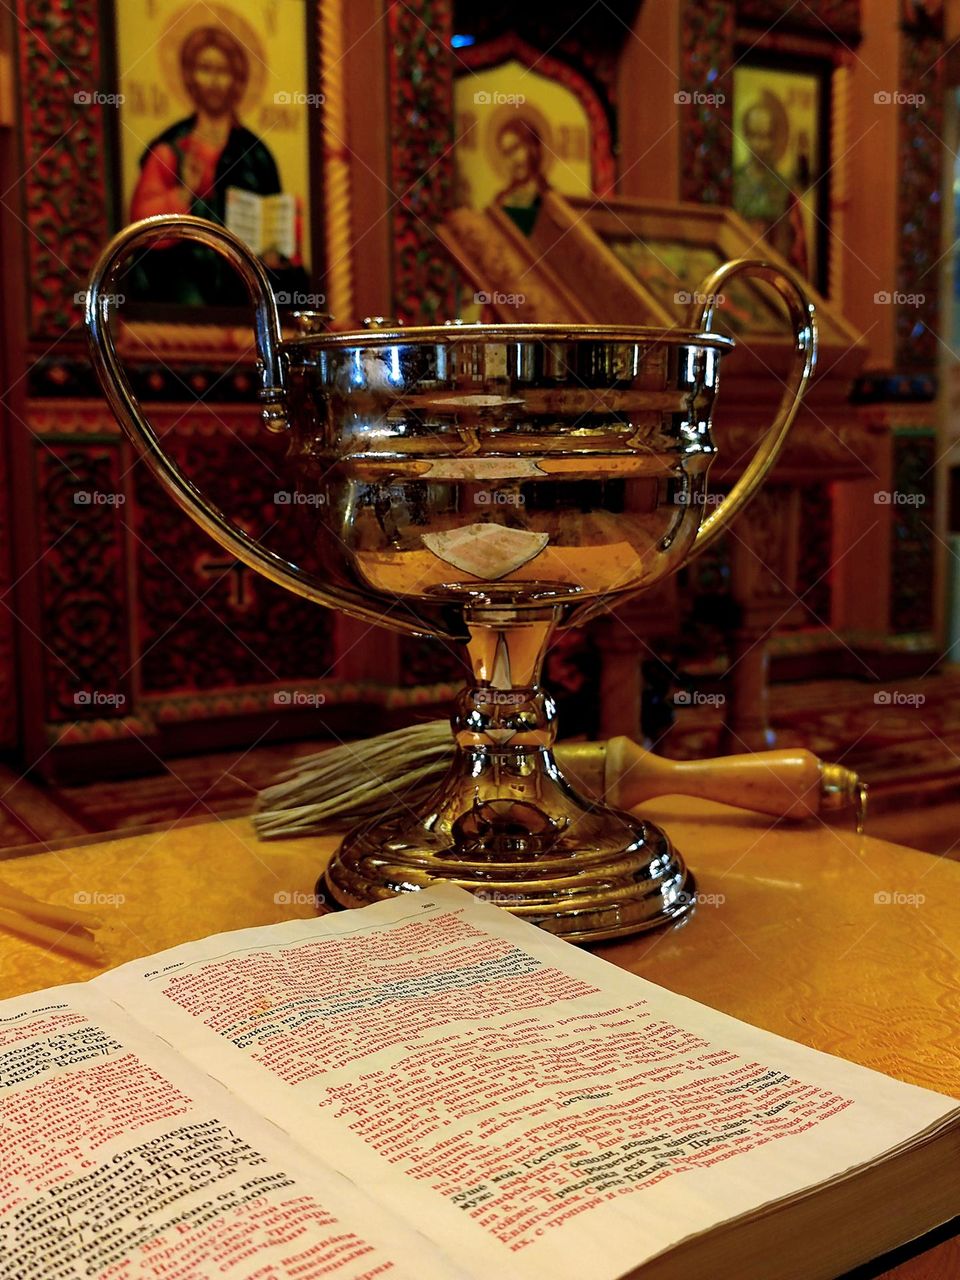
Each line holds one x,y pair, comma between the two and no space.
486,484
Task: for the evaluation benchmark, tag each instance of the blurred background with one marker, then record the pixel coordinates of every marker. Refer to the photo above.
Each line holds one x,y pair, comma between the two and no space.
436,159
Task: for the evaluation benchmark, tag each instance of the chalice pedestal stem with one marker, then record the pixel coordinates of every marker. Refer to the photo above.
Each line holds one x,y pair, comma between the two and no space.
506,825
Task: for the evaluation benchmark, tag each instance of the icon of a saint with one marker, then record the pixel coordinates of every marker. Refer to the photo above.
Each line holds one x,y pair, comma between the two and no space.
188,168
520,148
761,193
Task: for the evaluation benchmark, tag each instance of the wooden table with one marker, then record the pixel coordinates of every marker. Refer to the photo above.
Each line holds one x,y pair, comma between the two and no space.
845,943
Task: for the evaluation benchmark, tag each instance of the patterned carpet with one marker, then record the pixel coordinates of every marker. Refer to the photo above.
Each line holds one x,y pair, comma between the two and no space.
222,783
904,740
893,735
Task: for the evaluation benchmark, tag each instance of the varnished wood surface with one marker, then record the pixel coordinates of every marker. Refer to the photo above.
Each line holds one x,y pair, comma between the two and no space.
845,943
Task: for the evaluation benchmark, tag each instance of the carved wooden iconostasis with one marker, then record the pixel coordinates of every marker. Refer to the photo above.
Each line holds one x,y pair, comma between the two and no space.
879,600
127,635
885,194
636,261
761,113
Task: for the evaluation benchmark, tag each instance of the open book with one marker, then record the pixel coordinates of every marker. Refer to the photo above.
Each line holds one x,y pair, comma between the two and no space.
263,222
429,1088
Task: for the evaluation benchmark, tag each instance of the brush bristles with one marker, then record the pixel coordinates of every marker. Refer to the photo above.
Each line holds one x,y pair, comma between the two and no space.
333,789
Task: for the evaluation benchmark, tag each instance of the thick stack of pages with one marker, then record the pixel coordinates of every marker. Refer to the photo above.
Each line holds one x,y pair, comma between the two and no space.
429,1088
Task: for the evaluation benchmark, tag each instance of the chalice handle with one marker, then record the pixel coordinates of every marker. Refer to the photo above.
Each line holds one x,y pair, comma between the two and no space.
101,300
804,322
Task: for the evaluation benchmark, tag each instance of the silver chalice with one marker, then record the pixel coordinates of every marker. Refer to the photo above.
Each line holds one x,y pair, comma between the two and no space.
484,485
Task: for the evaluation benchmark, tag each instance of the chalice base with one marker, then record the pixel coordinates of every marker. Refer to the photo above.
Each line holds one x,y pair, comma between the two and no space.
508,827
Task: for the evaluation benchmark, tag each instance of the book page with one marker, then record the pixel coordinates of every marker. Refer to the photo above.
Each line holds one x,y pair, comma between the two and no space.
243,215
118,1159
279,224
534,1109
